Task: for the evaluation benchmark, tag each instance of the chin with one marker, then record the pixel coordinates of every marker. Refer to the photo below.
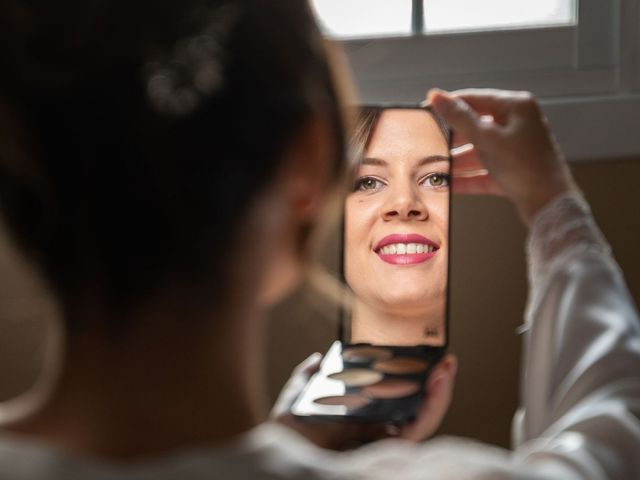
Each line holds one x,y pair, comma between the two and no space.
411,304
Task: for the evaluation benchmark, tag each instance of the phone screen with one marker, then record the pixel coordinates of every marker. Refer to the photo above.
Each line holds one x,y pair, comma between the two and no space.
395,267
396,229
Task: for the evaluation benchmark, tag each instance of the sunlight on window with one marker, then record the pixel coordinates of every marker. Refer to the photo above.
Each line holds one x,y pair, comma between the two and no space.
457,15
364,18
376,18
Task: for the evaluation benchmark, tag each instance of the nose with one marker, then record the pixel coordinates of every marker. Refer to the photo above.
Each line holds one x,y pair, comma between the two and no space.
405,204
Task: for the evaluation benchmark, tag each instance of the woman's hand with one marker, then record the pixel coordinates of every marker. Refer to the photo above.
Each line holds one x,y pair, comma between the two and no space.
436,401
343,436
503,146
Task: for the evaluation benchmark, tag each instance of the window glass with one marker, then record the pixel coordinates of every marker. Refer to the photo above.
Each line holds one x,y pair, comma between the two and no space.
363,18
379,18
460,15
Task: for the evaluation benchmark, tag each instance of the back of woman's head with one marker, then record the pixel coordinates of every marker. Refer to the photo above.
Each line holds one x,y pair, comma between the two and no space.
135,135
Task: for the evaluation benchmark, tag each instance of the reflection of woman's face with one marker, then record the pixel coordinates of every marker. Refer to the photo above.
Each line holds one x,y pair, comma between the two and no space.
397,216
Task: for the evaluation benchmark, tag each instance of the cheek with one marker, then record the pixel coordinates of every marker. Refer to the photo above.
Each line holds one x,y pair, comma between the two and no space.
360,220
438,205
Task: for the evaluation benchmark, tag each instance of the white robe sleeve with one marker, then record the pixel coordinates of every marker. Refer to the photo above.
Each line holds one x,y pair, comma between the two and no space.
580,396
580,391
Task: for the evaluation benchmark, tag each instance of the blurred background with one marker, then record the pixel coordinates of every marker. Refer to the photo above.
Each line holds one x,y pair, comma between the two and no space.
581,57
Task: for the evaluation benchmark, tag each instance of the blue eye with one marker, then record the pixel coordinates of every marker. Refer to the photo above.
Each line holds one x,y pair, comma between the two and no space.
436,180
368,184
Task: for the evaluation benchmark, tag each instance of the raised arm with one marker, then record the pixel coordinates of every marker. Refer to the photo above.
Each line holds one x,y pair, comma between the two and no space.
581,369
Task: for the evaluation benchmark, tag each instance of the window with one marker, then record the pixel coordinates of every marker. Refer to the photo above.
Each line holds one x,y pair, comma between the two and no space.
376,18
343,19
494,14
553,59
581,57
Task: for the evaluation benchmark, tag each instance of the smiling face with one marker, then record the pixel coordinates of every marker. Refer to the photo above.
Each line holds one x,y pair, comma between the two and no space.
396,218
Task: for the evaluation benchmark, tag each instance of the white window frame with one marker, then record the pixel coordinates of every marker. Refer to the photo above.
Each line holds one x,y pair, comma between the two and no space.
587,75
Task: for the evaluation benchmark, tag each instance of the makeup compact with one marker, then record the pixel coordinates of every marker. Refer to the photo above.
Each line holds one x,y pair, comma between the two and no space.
395,262
368,383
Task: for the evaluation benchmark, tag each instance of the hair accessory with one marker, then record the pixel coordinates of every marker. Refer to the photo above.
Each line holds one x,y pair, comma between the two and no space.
194,69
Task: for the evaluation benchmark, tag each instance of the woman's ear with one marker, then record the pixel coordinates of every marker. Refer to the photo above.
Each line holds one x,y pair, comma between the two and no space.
303,183
307,168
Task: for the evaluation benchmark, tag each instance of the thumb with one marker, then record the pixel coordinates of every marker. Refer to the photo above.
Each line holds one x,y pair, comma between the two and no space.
295,384
457,113
436,402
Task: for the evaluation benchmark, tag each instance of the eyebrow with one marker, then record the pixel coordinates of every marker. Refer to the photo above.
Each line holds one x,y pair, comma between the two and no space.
379,162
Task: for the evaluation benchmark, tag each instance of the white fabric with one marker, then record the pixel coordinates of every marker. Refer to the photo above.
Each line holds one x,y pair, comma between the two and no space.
580,394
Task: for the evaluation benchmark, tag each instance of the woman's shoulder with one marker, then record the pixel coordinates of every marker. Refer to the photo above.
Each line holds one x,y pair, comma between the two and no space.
441,457
268,452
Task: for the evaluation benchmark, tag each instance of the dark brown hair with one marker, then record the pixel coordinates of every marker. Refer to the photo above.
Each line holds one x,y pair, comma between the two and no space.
367,119
134,135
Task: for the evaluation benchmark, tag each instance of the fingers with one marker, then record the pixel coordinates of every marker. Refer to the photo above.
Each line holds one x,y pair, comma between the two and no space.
465,158
478,184
295,384
309,365
470,176
458,114
474,111
459,140
466,123
495,103
437,400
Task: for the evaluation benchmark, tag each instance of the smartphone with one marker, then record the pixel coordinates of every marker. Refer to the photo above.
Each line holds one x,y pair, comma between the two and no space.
395,266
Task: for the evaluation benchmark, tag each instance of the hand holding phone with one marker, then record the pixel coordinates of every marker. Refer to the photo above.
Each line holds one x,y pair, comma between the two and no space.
396,263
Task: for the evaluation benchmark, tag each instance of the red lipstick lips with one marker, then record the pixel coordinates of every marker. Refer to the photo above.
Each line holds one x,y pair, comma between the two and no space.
406,249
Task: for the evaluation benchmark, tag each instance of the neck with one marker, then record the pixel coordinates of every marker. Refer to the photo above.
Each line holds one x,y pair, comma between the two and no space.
378,327
195,384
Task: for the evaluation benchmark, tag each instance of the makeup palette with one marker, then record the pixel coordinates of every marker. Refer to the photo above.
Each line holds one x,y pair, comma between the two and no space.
368,383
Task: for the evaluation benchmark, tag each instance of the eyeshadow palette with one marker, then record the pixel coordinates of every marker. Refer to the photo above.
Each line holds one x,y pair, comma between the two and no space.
368,383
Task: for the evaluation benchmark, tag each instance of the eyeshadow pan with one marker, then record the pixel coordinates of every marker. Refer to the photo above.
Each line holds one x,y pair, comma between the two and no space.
364,354
401,365
349,401
357,377
391,388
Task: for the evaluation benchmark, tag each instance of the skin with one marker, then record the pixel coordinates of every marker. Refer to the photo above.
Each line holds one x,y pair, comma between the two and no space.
401,188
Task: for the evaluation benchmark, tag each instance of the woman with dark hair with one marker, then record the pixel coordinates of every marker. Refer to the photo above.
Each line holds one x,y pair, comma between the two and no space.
162,164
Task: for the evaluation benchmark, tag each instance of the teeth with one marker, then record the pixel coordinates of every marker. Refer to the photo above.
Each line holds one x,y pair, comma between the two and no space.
406,248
